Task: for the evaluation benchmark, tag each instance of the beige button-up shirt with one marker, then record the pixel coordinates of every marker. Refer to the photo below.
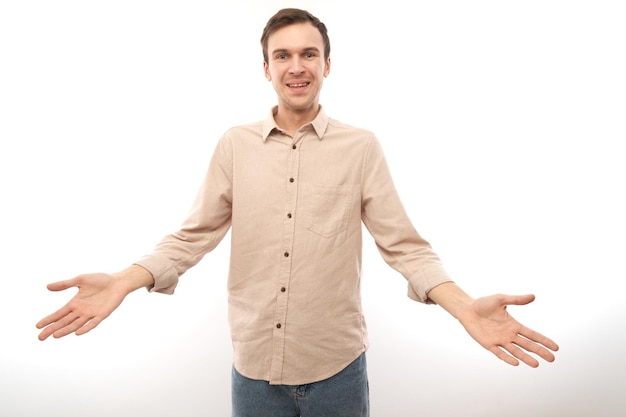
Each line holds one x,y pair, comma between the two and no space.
295,206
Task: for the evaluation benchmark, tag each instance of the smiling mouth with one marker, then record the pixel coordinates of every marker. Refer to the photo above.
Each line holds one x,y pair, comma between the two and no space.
298,85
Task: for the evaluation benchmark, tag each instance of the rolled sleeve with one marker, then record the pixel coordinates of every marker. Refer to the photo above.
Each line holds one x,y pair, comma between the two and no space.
425,280
163,271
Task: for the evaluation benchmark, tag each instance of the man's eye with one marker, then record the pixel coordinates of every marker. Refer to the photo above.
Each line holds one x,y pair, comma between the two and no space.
281,56
309,55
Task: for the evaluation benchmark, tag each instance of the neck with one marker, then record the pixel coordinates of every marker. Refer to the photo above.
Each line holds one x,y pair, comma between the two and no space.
291,120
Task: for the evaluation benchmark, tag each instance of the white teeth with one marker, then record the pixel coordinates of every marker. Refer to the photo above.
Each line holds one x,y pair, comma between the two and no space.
298,85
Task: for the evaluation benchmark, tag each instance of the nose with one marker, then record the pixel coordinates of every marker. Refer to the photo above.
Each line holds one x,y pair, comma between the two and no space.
297,66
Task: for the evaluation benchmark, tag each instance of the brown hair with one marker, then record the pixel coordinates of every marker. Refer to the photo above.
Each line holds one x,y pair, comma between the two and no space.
286,17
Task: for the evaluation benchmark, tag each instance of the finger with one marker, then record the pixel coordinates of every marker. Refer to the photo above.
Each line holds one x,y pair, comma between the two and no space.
90,325
56,316
520,354
57,325
71,327
504,356
518,299
45,333
62,285
539,338
536,348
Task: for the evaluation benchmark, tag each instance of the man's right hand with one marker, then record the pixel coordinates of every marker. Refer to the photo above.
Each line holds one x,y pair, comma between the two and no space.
98,296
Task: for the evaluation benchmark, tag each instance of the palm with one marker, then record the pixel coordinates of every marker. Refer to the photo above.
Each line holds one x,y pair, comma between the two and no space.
489,323
98,296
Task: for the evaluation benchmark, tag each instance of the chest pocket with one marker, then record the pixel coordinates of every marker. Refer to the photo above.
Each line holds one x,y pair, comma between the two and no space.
328,209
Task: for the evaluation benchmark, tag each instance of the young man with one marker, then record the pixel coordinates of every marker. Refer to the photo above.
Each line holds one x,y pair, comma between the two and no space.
294,190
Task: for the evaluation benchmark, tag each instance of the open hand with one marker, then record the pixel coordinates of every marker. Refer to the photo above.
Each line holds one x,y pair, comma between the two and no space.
489,323
98,295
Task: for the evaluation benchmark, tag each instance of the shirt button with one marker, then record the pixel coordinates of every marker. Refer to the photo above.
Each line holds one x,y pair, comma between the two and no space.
286,254
278,326
291,180
283,289
289,215
293,146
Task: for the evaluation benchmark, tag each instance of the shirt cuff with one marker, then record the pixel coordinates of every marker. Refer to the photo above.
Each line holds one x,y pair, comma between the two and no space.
164,273
425,280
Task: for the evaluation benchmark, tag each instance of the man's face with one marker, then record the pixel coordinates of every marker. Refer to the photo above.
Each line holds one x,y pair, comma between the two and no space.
296,66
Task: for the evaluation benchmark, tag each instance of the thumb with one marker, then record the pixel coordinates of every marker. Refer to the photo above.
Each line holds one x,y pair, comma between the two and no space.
62,285
518,299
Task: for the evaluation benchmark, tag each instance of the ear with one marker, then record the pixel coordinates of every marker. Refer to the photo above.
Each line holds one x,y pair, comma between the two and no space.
327,67
266,70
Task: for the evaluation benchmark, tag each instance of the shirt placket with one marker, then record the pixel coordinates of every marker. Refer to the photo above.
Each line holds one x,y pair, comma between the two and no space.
280,314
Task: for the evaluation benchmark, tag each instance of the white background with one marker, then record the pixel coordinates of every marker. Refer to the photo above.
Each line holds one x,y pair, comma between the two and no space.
503,123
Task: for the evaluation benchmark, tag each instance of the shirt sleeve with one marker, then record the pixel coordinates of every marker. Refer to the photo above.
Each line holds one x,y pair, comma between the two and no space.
206,225
397,240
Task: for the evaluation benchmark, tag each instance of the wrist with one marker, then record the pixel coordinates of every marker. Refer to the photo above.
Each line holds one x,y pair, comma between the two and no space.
452,299
134,277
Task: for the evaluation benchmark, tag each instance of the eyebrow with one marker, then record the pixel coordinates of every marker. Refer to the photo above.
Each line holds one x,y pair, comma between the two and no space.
283,50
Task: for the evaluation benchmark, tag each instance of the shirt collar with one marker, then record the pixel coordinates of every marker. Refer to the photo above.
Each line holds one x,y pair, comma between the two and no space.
319,124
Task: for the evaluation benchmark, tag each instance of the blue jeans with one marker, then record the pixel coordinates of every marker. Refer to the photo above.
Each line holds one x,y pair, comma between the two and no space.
345,394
